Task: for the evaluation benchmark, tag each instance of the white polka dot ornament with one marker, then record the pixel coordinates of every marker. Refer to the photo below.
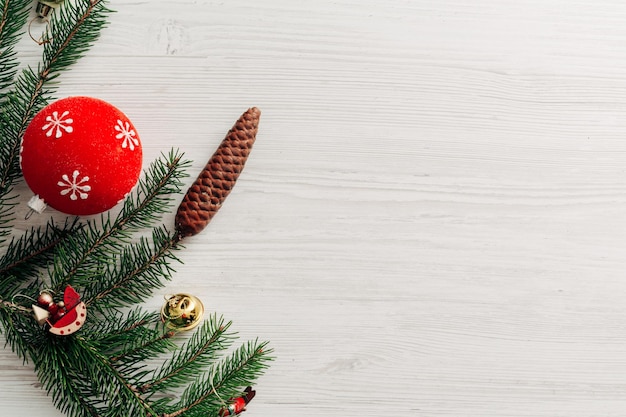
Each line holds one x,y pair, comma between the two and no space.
81,156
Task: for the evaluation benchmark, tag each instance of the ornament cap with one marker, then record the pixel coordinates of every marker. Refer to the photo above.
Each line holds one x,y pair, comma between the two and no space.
37,204
44,7
43,10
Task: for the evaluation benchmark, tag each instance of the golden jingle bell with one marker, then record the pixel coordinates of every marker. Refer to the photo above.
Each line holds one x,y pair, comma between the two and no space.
182,312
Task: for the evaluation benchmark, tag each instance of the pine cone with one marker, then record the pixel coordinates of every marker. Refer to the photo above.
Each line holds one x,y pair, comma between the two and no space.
205,197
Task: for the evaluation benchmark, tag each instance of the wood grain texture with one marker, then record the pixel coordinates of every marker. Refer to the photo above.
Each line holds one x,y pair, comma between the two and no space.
433,220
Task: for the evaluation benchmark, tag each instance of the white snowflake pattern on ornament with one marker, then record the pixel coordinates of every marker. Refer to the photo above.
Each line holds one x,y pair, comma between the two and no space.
58,124
127,134
76,188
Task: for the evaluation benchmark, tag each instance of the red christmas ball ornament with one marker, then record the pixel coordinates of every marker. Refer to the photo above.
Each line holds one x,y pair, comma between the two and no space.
80,155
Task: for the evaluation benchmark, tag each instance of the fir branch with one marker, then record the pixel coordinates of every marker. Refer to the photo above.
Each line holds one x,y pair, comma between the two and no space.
103,240
138,336
198,352
34,250
69,374
75,28
153,196
86,382
16,322
145,347
14,308
82,381
59,377
14,14
107,327
7,205
19,328
129,342
132,276
242,368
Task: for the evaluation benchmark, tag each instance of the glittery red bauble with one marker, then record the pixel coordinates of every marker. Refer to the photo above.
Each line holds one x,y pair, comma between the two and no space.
81,155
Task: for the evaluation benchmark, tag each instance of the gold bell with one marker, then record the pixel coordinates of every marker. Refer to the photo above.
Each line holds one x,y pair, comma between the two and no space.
182,312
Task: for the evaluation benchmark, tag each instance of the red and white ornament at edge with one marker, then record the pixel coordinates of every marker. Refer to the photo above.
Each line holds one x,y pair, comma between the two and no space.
81,156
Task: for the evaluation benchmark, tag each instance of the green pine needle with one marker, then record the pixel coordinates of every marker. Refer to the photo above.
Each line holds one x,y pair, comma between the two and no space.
224,380
200,351
130,277
26,257
127,341
12,22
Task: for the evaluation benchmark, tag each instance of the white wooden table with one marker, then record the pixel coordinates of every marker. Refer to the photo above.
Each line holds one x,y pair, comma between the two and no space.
433,219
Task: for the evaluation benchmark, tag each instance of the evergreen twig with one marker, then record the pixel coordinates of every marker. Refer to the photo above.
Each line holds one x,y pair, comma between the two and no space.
83,259
201,350
130,277
206,394
19,329
14,14
34,250
131,339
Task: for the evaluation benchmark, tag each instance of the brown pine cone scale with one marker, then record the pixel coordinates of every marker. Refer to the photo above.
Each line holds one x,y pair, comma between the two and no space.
206,195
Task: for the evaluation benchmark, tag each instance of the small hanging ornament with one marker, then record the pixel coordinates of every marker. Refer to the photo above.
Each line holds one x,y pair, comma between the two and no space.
64,317
44,7
182,312
238,405
81,156
206,195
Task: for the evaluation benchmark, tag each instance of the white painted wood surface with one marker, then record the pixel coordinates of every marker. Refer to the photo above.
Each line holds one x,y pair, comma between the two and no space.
432,222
